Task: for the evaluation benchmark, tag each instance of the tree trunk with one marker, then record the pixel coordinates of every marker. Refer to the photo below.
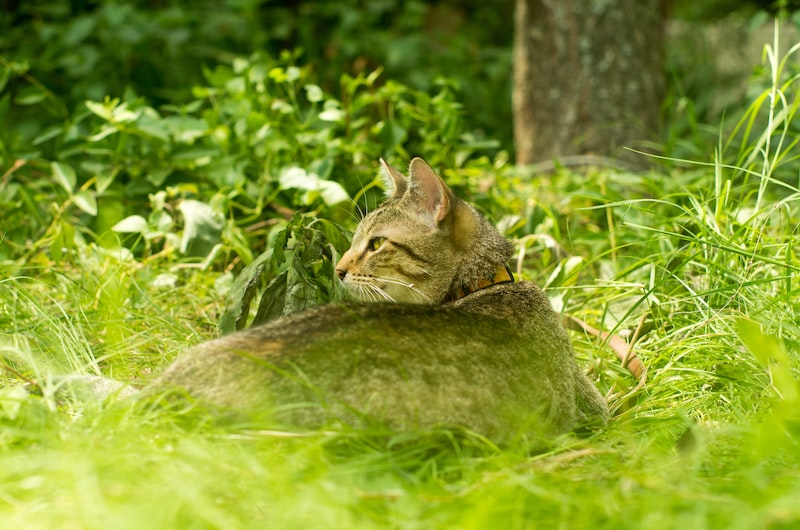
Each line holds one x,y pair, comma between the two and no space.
588,77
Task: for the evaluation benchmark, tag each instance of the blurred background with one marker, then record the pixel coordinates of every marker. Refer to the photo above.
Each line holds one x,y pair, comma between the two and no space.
160,49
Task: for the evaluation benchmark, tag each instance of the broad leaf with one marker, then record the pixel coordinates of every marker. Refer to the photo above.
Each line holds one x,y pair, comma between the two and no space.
241,293
131,224
64,175
202,228
85,200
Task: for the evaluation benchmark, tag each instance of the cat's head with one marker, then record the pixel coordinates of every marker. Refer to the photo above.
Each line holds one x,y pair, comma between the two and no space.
421,243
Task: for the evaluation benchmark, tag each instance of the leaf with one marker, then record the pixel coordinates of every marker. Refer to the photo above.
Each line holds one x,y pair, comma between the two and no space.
771,354
131,224
4,76
86,201
64,175
332,115
277,74
30,96
241,293
273,301
202,228
101,109
392,135
185,129
332,192
334,234
153,127
157,176
48,134
63,240
11,399
313,93
281,241
300,294
292,73
297,178
106,130
104,178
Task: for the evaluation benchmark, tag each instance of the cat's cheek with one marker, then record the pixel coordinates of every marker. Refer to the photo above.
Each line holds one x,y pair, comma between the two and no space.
404,294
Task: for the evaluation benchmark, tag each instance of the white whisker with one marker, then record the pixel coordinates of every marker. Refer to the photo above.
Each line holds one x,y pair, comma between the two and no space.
410,286
377,291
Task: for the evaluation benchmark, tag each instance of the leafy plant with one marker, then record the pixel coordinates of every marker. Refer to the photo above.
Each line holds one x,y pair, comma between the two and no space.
259,142
298,268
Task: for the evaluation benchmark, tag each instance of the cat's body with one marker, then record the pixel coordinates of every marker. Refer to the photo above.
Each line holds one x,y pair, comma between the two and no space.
442,337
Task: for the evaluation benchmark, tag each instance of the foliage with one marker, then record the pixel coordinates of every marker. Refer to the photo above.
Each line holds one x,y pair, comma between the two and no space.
302,278
261,140
57,54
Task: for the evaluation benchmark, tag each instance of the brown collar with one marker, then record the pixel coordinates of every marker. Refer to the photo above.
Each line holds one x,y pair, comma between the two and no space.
501,275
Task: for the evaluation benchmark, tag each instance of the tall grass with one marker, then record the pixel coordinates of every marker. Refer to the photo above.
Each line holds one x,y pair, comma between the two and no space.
703,262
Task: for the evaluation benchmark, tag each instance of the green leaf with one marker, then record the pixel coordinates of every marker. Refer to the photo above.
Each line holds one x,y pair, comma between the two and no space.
313,93
19,67
273,301
154,127
64,175
771,354
106,130
185,129
30,96
4,76
131,224
86,201
48,134
334,235
104,110
300,294
332,115
64,240
392,134
157,176
104,178
11,399
298,178
202,228
292,73
241,293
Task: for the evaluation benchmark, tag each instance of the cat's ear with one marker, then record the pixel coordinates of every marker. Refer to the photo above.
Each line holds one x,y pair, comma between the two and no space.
433,194
395,182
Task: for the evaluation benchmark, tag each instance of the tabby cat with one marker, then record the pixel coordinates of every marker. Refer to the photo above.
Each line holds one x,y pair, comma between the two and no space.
440,335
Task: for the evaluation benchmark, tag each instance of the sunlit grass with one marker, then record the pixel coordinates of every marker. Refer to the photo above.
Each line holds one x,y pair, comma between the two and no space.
710,441
700,265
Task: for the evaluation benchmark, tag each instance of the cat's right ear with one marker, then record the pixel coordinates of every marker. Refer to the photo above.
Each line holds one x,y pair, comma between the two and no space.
395,182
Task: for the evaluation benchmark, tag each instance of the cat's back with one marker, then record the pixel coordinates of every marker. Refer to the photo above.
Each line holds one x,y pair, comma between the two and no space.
406,365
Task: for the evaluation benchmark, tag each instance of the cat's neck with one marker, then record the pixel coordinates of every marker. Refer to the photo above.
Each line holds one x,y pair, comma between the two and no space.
502,275
485,253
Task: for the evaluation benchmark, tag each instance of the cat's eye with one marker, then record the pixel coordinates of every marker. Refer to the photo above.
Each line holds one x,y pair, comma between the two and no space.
375,243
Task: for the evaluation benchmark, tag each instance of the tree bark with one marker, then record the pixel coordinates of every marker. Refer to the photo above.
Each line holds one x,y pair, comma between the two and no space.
588,77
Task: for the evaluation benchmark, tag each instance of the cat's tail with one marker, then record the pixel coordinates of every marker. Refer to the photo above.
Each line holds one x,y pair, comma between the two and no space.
79,388
92,387
624,350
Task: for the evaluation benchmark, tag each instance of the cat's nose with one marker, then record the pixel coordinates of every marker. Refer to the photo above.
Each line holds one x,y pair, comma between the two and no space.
343,266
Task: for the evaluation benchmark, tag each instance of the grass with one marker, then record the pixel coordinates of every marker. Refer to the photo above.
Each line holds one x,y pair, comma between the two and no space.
705,257
711,442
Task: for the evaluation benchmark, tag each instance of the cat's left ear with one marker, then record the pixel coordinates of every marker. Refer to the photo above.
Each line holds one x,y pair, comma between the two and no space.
435,197
395,182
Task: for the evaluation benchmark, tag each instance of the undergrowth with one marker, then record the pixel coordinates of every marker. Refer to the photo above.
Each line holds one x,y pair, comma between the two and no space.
698,266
